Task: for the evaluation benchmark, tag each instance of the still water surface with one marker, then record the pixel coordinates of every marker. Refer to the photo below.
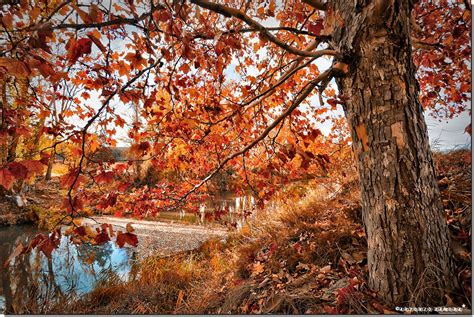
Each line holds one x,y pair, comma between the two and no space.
73,270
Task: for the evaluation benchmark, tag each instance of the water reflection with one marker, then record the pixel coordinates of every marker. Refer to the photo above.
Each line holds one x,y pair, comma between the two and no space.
227,210
35,280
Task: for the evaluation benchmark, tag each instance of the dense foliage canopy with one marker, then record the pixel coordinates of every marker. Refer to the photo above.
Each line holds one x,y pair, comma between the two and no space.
233,88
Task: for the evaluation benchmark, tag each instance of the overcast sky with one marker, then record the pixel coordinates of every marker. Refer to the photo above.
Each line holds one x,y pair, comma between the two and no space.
448,135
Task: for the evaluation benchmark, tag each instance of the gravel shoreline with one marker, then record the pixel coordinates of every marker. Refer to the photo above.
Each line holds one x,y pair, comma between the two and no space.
162,238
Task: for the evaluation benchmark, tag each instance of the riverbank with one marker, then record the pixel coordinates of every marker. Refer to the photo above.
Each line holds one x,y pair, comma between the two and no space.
31,205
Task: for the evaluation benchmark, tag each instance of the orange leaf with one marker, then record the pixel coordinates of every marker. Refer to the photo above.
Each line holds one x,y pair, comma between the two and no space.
468,129
185,68
84,16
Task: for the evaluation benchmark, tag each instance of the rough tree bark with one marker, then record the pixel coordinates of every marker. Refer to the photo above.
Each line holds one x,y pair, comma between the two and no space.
409,257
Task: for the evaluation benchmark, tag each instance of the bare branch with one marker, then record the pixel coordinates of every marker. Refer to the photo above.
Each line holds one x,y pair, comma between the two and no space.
248,30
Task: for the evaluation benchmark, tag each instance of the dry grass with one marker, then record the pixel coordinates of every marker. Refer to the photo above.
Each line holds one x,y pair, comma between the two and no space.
295,261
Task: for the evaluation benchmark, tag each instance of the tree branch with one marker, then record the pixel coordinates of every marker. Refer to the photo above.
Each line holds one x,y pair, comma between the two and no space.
91,121
80,26
248,30
231,12
317,4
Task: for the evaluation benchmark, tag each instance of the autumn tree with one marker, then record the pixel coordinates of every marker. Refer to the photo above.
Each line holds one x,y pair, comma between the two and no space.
243,84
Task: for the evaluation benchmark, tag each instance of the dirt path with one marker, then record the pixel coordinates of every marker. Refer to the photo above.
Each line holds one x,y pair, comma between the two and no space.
161,238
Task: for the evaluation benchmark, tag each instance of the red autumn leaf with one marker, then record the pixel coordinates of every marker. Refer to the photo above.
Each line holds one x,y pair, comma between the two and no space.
126,237
6,178
102,237
47,247
77,49
22,131
162,15
468,129
33,166
144,146
17,170
304,163
123,187
104,177
68,179
80,231
300,17
44,158
42,66
38,239
316,27
109,200
75,204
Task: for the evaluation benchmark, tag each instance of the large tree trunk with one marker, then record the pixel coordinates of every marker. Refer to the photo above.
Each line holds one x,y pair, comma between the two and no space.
409,257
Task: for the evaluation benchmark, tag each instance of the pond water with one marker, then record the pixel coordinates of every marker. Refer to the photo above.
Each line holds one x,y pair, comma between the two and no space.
74,270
